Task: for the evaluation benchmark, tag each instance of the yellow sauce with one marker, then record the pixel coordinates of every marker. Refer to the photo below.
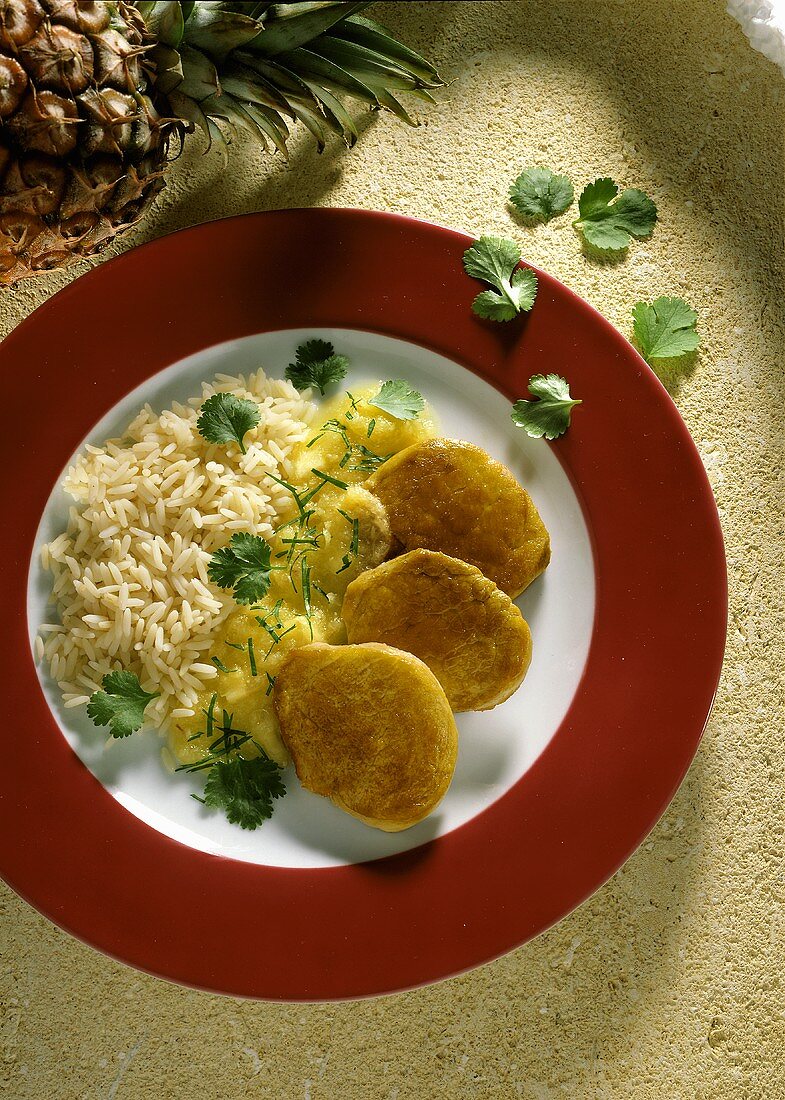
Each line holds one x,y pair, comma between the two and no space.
345,533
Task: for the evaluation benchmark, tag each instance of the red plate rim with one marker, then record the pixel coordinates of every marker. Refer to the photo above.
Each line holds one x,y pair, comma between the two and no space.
604,779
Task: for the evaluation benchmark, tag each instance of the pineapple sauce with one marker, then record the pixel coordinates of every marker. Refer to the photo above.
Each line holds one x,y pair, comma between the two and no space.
333,531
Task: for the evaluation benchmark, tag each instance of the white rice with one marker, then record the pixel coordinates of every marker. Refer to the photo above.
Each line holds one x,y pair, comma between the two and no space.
130,571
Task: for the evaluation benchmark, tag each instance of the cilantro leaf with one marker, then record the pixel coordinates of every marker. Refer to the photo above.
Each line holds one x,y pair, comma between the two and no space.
121,704
244,789
316,365
539,194
550,416
495,260
397,398
608,222
664,329
244,566
225,418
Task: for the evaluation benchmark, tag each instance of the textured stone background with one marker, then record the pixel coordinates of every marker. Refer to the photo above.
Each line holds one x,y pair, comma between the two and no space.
667,983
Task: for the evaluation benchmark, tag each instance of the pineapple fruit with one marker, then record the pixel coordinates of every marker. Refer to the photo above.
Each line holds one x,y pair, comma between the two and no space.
93,94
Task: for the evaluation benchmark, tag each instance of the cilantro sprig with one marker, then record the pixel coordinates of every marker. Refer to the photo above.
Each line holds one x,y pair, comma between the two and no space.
121,705
664,329
549,416
225,418
317,365
244,566
538,194
609,220
355,455
244,789
397,398
495,260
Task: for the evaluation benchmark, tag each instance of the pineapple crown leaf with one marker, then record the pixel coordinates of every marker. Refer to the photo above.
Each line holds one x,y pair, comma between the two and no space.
313,68
169,68
290,25
165,21
217,31
369,33
200,76
249,65
250,86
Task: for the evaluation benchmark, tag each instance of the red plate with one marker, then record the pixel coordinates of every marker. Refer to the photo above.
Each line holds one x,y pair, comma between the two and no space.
591,797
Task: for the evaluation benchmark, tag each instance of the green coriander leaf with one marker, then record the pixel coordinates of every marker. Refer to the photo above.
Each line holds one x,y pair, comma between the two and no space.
491,259
609,222
316,365
225,418
244,789
664,329
121,704
496,307
313,351
539,194
243,566
550,415
495,260
397,398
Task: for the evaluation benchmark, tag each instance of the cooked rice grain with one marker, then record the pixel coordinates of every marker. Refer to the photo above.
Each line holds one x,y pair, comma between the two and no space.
130,571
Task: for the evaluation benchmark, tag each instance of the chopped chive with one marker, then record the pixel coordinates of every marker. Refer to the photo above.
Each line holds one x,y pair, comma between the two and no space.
195,736
198,799
273,614
226,729
221,666
278,638
208,763
305,576
236,645
220,747
215,753
305,540
371,426
298,500
225,740
270,684
351,553
251,656
368,460
328,477
289,523
210,713
308,497
262,623
349,519
321,591
285,484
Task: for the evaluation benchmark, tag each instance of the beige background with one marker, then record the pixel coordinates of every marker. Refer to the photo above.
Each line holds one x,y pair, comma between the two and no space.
667,983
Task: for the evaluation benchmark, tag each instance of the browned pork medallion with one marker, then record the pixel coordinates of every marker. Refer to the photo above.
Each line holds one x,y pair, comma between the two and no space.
466,630
450,496
369,727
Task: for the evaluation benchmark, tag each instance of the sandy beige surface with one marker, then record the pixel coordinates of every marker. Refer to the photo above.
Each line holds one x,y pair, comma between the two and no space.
668,982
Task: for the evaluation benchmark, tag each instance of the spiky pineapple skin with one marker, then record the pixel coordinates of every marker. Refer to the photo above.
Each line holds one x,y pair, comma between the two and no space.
92,90
82,146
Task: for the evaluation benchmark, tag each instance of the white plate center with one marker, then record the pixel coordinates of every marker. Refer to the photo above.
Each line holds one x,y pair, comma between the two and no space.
496,747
